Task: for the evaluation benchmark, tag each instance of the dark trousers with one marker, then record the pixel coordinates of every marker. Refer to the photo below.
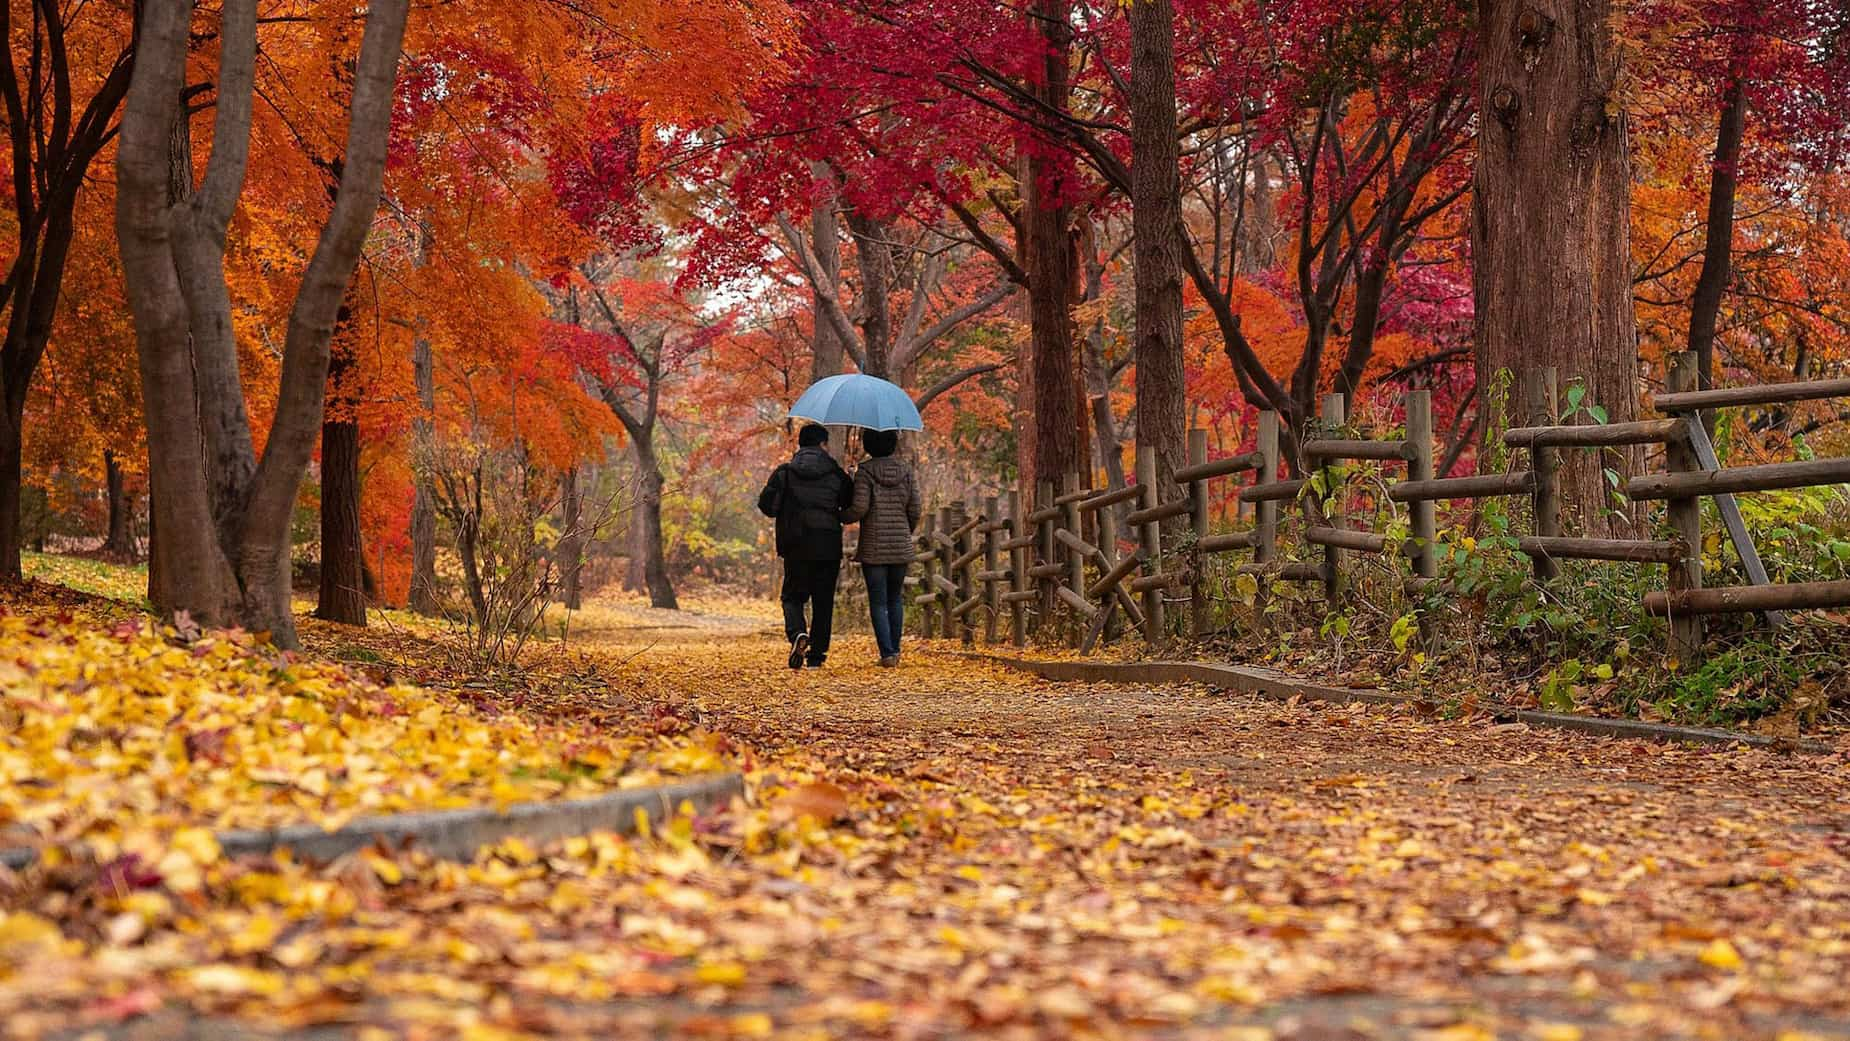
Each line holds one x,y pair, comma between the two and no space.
886,602
810,583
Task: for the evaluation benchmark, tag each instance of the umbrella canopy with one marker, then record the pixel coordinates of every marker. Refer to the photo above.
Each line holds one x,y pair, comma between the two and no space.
855,400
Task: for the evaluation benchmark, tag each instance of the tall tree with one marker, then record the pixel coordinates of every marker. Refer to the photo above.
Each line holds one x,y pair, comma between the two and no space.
1157,229
1552,209
222,512
77,60
343,564
1052,262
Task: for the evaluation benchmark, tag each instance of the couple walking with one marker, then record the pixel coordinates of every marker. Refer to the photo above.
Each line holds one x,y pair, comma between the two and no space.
811,497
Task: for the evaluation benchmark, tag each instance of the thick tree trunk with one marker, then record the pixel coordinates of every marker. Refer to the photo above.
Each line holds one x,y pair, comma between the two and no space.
571,542
424,496
343,578
649,509
1156,223
825,240
1718,245
195,575
119,536
1552,214
227,537
1052,266
873,251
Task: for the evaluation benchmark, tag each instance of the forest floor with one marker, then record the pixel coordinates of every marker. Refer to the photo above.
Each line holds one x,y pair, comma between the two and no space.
950,850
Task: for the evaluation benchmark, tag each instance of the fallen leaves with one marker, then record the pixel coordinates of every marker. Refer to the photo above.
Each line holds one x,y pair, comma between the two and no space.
934,851
125,742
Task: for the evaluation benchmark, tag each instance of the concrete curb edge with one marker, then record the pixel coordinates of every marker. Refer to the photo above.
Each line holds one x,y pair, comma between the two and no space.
1270,683
458,834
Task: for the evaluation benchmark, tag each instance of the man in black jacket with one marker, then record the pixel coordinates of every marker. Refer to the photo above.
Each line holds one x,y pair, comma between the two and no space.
807,495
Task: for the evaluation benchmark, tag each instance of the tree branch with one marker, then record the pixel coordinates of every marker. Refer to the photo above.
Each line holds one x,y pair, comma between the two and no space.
951,382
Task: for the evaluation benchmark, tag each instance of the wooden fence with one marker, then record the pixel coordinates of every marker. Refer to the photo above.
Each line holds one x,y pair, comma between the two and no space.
1105,561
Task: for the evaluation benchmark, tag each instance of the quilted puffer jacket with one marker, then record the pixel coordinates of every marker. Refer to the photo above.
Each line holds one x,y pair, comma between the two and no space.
886,503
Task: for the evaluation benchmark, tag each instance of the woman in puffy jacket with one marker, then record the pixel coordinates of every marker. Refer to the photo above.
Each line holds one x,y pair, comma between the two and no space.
886,503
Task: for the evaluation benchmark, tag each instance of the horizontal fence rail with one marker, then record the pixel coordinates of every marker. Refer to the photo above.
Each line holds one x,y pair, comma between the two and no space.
1085,565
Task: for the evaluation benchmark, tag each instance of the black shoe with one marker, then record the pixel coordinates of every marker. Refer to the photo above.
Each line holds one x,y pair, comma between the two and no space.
798,648
813,663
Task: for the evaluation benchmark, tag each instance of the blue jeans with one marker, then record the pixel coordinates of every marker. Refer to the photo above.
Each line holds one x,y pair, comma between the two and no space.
886,601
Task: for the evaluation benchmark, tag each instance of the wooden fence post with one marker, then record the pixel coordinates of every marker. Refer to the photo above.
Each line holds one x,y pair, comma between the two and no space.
947,552
1075,561
992,563
1420,468
1544,463
1334,509
966,573
928,555
1265,514
1043,553
1198,521
1108,546
1018,564
1686,522
1150,539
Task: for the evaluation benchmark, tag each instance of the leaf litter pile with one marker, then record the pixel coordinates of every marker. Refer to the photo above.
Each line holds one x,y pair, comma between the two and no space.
951,850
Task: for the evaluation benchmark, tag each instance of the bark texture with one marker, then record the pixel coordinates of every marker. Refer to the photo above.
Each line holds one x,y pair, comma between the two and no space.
825,236
649,521
1718,244
424,496
1552,212
1156,224
1053,271
343,572
222,512
119,537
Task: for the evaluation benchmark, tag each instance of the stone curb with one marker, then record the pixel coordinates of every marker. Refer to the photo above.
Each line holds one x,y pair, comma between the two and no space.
458,834
1270,683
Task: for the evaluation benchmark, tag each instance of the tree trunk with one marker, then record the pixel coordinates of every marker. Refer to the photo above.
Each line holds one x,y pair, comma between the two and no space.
873,251
227,536
12,473
119,537
1156,224
1099,381
1552,215
53,141
654,555
825,241
1052,267
571,542
343,579
424,501
1718,244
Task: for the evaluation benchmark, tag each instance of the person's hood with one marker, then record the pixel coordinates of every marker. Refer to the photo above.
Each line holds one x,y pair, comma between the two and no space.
888,472
813,462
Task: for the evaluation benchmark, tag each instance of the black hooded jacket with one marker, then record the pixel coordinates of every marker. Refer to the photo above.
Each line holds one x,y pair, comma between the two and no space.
807,496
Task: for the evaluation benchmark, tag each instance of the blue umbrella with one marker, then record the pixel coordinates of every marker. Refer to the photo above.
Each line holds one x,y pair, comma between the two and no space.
856,400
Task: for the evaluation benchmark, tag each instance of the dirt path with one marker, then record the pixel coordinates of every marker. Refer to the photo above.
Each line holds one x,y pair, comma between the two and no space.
1023,860
1032,858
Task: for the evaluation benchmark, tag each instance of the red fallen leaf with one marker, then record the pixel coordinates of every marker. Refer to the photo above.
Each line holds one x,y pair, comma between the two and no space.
207,744
126,874
138,1002
825,802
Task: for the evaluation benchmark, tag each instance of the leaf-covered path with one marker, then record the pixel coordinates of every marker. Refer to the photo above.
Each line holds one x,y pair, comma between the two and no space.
1011,858
1033,859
